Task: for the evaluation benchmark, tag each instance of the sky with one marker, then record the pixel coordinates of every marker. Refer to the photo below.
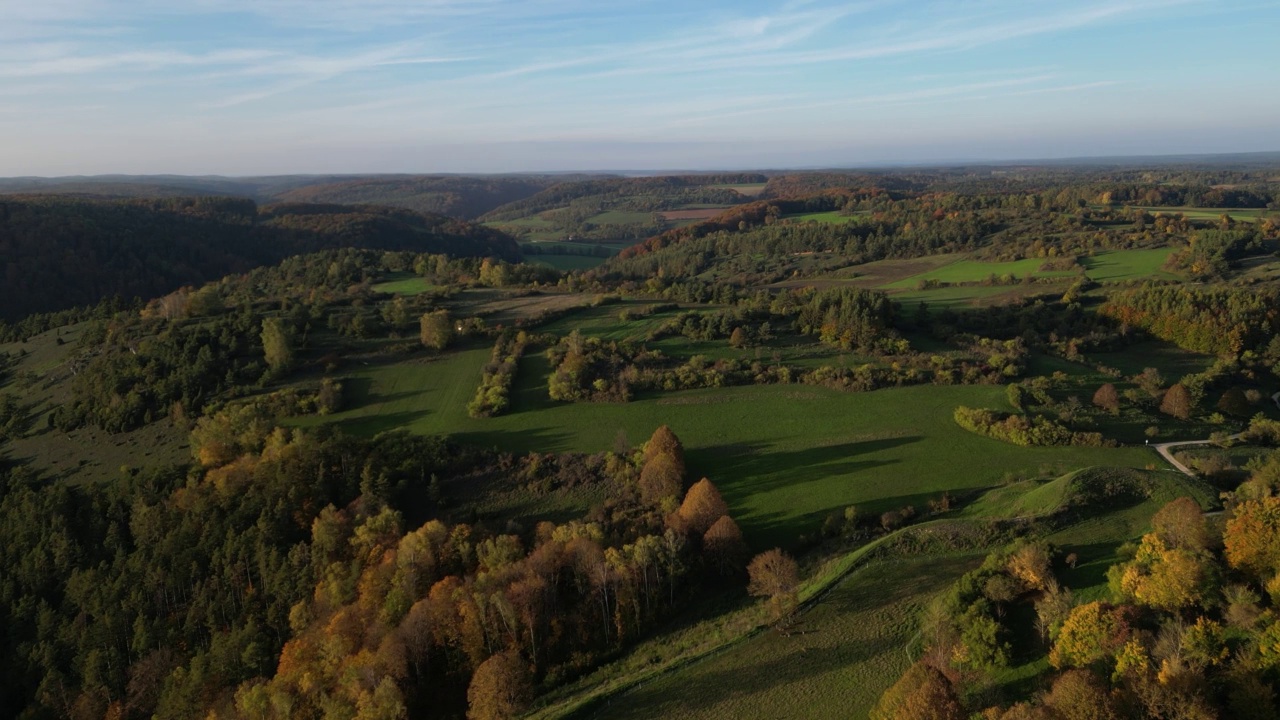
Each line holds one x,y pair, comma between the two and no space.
251,87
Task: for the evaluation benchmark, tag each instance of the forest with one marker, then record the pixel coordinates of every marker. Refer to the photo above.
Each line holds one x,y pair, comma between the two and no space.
847,444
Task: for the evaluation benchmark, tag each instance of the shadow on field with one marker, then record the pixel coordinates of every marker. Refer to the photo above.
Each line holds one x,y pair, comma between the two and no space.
371,425
517,441
1092,563
764,469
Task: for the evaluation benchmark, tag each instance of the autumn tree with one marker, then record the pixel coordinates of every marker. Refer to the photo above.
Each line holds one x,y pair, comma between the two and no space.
499,689
1164,577
1092,632
1107,398
436,329
724,547
738,338
664,442
277,345
702,506
775,575
922,693
1176,402
1078,694
1180,524
660,481
1252,538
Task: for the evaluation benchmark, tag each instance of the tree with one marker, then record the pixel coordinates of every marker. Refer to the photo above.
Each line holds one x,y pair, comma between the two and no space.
1107,398
1078,694
499,689
1252,537
702,506
436,329
738,338
277,345
1092,632
1234,402
922,693
1176,402
1180,524
660,481
775,575
1162,577
724,547
664,442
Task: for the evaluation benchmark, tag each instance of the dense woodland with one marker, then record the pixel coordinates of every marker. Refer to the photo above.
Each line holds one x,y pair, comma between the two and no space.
292,567
60,252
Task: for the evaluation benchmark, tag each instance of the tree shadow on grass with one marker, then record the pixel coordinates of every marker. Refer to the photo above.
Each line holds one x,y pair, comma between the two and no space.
518,441
1092,563
768,469
370,425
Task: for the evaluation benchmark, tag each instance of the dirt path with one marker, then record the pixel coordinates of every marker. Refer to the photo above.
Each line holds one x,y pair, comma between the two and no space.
1163,449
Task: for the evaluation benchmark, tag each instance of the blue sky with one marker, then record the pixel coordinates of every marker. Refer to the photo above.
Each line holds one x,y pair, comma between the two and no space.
318,86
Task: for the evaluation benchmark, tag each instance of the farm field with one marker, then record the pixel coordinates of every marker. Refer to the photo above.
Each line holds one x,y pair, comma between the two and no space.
566,262
1191,213
404,283
1117,265
845,649
965,271
832,217
843,654
748,189
784,456
975,295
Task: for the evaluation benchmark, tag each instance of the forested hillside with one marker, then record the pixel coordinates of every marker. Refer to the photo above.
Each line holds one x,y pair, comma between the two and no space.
456,196
62,252
403,472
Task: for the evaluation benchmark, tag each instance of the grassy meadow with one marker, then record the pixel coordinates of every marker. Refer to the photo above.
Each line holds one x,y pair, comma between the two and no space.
784,456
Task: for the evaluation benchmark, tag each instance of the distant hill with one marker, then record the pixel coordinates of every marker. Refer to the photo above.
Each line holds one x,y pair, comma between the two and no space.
60,252
464,197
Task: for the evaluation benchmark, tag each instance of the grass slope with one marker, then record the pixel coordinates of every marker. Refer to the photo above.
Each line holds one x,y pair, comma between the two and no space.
783,456
844,652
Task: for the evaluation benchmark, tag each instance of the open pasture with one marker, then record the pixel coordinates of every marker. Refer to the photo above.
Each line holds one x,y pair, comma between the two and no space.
404,283
503,307
1193,213
1118,265
831,217
695,214
784,456
747,189
968,271
835,664
567,262
958,296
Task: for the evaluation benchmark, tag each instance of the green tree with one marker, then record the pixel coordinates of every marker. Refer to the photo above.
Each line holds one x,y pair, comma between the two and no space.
436,329
277,345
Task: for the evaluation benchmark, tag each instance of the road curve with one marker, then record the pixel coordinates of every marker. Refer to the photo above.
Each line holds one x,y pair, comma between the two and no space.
1163,449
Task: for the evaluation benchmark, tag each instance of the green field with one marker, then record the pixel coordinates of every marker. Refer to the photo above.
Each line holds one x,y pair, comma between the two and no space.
784,456
1245,215
970,295
967,271
748,189
404,284
843,654
566,262
621,217
832,217
1114,265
